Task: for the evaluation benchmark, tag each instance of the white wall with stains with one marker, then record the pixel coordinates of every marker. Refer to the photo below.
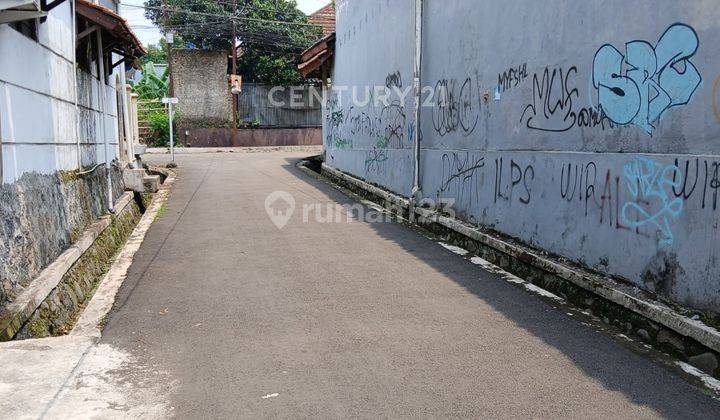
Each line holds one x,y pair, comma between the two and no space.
38,117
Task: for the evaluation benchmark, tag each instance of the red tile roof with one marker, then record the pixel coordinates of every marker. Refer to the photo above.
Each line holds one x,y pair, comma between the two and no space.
324,17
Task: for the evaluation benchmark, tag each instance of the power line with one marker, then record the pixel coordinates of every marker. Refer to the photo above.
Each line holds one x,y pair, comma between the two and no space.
230,17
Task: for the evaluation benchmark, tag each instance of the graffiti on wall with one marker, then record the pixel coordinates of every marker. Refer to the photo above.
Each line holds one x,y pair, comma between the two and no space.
512,77
456,106
615,199
651,185
460,173
378,119
639,86
392,120
394,80
518,183
334,120
554,104
375,161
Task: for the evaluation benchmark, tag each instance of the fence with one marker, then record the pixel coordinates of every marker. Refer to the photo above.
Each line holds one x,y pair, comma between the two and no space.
280,107
147,112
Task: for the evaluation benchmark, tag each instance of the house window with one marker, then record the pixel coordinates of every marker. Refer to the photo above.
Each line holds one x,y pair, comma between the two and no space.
86,53
27,28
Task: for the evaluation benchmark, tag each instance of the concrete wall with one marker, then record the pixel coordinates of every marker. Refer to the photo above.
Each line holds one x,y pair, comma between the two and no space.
250,137
38,118
200,81
280,106
41,206
540,128
374,45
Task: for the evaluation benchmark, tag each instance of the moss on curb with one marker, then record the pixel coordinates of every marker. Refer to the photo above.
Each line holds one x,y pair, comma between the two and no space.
59,312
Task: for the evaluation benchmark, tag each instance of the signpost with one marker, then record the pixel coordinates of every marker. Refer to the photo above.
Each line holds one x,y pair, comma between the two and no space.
170,102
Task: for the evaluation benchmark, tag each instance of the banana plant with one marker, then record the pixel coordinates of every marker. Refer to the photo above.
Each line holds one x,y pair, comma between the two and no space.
150,86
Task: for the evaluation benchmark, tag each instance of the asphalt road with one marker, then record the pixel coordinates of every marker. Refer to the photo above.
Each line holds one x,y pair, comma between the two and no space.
335,320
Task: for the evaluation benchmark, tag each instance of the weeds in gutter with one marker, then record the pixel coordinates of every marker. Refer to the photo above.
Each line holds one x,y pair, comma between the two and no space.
161,212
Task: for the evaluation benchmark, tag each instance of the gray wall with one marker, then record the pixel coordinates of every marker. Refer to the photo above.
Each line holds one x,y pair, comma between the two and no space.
545,133
281,107
200,82
374,39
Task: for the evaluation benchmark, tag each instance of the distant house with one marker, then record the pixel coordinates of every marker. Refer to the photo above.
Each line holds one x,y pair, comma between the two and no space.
325,18
136,74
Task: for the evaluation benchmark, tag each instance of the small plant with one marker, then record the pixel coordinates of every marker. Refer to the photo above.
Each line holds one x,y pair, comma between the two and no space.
254,123
160,128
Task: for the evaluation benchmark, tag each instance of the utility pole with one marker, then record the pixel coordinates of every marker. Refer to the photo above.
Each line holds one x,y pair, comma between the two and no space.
417,111
169,40
233,54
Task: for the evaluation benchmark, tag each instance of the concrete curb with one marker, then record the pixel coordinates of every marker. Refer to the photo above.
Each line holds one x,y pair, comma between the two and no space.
16,314
199,150
630,298
91,320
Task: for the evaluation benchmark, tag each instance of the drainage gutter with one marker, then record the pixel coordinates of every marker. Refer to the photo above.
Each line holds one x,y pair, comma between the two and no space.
14,315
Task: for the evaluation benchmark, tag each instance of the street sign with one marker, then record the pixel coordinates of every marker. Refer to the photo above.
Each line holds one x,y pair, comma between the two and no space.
169,100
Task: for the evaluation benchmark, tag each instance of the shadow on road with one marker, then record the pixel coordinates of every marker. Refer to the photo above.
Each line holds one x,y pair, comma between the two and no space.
616,368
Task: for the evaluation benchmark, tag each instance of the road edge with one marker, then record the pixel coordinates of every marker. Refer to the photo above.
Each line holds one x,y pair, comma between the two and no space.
627,307
91,322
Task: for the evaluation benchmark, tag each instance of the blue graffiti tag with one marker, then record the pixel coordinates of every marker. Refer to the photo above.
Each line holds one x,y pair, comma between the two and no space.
654,79
647,179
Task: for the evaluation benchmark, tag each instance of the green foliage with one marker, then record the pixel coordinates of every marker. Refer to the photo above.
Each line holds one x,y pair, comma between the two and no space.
254,123
155,54
150,86
160,127
269,69
269,51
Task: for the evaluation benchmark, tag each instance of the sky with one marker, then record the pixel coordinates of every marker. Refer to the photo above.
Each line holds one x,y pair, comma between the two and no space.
148,34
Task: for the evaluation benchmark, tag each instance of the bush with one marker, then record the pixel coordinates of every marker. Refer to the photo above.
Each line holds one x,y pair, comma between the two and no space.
160,126
254,123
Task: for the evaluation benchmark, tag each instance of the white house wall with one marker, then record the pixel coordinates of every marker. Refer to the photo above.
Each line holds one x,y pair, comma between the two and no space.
40,125
37,102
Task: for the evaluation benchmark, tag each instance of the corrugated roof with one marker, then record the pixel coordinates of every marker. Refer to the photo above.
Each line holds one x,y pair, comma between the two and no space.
325,17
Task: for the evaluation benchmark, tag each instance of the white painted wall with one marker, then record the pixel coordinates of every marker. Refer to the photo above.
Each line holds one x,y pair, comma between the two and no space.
38,118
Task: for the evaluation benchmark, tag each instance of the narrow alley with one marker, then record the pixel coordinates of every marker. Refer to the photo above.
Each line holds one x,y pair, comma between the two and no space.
352,319
359,209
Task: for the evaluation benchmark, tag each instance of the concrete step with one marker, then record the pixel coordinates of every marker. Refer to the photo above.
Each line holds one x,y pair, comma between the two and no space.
151,183
140,181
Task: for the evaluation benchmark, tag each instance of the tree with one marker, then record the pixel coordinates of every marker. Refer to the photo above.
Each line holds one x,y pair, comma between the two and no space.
270,34
157,53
